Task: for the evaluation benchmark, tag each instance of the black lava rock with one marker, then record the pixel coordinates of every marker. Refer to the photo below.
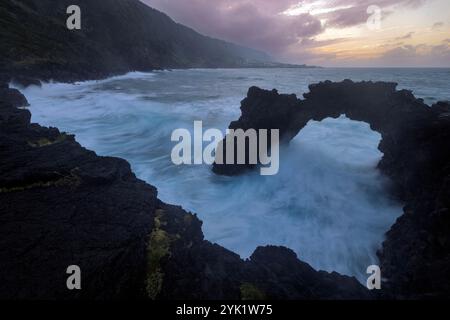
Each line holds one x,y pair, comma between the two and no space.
63,205
415,257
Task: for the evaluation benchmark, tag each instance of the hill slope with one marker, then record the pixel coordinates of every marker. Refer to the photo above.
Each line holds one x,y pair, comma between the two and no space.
116,36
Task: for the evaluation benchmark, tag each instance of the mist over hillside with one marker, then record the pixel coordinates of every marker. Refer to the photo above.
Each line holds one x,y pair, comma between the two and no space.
116,36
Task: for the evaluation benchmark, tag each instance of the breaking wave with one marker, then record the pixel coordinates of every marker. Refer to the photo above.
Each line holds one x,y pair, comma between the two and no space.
328,202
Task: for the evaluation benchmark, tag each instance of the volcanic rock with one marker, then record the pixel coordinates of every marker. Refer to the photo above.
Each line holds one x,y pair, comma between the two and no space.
62,205
415,257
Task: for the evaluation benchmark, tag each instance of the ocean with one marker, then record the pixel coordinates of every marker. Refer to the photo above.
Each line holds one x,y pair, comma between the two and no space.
328,202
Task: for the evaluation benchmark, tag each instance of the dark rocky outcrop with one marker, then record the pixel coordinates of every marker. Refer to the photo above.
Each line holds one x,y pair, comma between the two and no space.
198,269
62,205
116,36
415,258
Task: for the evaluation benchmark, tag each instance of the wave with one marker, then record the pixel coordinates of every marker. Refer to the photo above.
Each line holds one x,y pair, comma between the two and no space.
328,202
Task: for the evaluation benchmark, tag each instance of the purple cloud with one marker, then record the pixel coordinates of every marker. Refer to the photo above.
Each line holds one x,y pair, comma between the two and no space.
255,23
408,55
263,24
350,13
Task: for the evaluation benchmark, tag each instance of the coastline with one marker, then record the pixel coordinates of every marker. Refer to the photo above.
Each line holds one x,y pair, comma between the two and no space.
170,236
167,239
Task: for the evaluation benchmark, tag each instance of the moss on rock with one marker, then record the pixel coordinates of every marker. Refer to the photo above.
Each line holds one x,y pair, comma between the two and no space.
251,292
43,142
70,180
158,248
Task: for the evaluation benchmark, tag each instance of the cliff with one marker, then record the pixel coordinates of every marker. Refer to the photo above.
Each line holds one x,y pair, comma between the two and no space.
116,36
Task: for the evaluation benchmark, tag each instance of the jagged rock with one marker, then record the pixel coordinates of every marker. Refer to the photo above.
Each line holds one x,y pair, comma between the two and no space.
278,273
12,118
62,205
415,257
198,269
273,111
12,97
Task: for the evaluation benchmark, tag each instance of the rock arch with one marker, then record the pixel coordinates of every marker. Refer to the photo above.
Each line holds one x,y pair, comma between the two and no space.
416,157
400,118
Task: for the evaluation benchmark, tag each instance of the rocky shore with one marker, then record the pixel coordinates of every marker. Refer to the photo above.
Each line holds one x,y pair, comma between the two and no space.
415,258
62,205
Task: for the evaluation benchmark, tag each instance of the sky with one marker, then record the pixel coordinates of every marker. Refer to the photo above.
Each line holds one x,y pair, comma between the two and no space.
339,33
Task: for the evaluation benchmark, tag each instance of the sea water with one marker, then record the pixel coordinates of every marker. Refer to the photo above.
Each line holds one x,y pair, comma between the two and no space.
328,202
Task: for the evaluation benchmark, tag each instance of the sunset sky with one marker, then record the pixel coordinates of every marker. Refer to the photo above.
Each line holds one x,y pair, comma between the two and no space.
411,33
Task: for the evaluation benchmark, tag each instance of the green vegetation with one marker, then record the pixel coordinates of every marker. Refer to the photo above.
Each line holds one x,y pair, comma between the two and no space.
158,248
71,180
43,142
249,292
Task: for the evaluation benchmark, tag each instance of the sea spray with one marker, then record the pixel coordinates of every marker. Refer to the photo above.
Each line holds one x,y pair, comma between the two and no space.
242,147
328,201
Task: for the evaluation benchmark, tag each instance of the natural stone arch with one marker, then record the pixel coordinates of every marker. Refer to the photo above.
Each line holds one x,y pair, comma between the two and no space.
416,156
398,116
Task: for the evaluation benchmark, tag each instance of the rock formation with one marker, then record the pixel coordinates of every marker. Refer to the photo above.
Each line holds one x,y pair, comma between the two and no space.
415,257
62,205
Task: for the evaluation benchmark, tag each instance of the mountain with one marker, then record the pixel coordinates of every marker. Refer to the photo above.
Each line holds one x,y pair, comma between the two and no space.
116,36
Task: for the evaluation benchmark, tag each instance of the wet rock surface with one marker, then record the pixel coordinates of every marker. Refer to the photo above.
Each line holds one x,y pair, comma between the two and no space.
415,257
62,205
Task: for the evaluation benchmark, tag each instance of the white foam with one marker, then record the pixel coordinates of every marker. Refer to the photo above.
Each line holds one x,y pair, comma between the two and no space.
327,203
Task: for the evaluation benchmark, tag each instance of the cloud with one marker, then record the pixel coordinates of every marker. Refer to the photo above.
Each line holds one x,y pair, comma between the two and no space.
255,23
262,24
282,28
399,56
343,18
406,36
349,13
438,25
418,55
